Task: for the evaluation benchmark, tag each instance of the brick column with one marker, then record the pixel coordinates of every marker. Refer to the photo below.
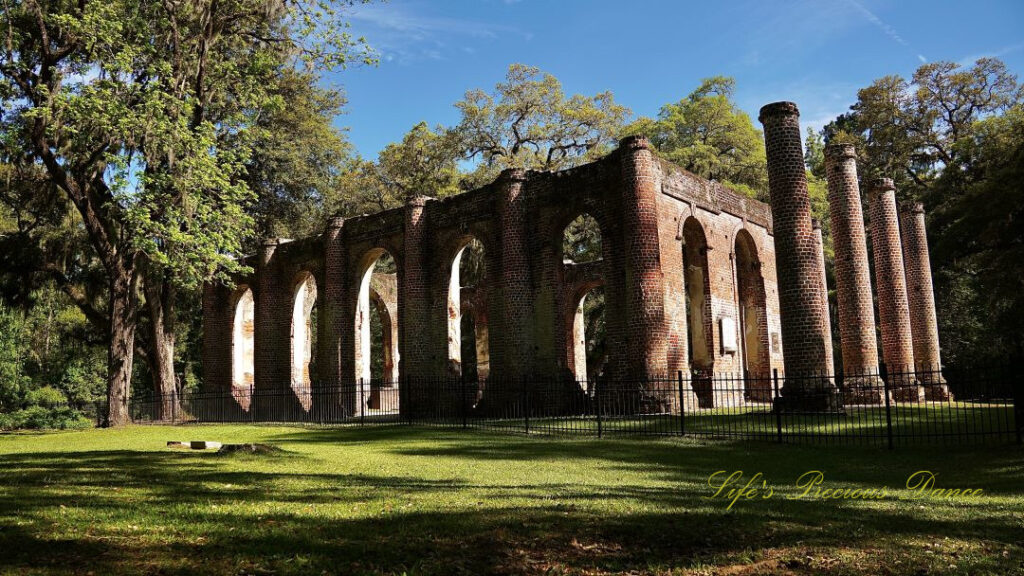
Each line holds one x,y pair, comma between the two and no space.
797,264
826,316
893,309
853,278
335,343
645,295
516,326
924,326
218,325
272,346
414,297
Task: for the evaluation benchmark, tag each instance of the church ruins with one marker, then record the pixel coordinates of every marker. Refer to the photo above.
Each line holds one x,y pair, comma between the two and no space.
697,279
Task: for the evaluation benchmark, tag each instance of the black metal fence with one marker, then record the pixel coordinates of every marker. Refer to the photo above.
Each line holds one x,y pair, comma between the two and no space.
881,408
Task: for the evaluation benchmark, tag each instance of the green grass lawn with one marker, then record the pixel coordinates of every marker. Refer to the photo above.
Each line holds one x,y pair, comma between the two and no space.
421,501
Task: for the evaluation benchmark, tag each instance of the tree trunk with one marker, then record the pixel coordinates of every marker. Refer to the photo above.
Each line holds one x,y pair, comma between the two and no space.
160,302
123,320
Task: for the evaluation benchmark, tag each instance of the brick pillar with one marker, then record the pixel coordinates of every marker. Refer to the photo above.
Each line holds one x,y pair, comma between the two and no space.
826,316
272,346
853,278
797,263
924,325
516,326
414,300
893,309
645,294
218,325
335,332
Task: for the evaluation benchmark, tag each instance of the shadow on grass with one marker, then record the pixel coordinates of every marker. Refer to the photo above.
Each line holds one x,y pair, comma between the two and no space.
213,514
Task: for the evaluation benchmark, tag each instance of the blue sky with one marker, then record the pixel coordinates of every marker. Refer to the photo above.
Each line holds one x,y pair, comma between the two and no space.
816,53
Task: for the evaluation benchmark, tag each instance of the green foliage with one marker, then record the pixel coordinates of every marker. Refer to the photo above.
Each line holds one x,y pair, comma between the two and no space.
423,163
298,156
707,134
528,122
44,418
581,241
13,381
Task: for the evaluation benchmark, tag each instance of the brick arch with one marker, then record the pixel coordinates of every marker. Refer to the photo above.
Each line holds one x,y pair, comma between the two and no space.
478,299
305,295
243,344
575,322
383,393
700,319
576,280
752,314
365,294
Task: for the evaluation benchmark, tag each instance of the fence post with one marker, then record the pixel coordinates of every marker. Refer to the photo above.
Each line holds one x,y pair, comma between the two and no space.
405,397
1018,405
888,406
526,405
464,406
597,406
682,406
777,406
360,397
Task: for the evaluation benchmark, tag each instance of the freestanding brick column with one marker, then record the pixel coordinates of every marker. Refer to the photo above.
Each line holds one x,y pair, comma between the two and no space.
797,264
893,309
825,314
853,278
924,325
516,332
645,295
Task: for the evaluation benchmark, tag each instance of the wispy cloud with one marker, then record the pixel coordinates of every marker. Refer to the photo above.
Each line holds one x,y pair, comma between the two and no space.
972,58
888,30
883,26
402,33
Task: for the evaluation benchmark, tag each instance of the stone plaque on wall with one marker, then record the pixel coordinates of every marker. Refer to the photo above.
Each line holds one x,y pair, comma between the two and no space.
728,329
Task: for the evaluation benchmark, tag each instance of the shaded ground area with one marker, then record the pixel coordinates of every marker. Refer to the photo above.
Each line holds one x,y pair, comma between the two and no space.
419,501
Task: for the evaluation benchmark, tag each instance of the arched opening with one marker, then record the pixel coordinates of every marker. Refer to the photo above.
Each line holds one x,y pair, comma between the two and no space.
582,257
698,298
243,349
304,339
753,318
588,330
376,334
468,334
700,323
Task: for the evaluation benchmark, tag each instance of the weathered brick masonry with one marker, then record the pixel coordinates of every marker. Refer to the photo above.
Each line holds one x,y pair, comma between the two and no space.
799,262
853,277
893,309
924,325
754,281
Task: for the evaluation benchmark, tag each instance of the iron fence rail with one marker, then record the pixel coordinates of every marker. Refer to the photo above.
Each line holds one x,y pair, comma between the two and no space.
883,408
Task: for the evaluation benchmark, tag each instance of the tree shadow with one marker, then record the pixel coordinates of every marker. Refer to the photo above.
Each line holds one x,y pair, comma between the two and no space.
217,514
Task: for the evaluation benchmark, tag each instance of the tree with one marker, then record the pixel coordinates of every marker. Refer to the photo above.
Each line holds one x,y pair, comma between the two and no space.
707,134
298,156
914,131
528,122
424,162
136,111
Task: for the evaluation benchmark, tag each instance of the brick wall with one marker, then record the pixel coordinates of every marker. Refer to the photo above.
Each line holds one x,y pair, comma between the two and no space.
526,307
